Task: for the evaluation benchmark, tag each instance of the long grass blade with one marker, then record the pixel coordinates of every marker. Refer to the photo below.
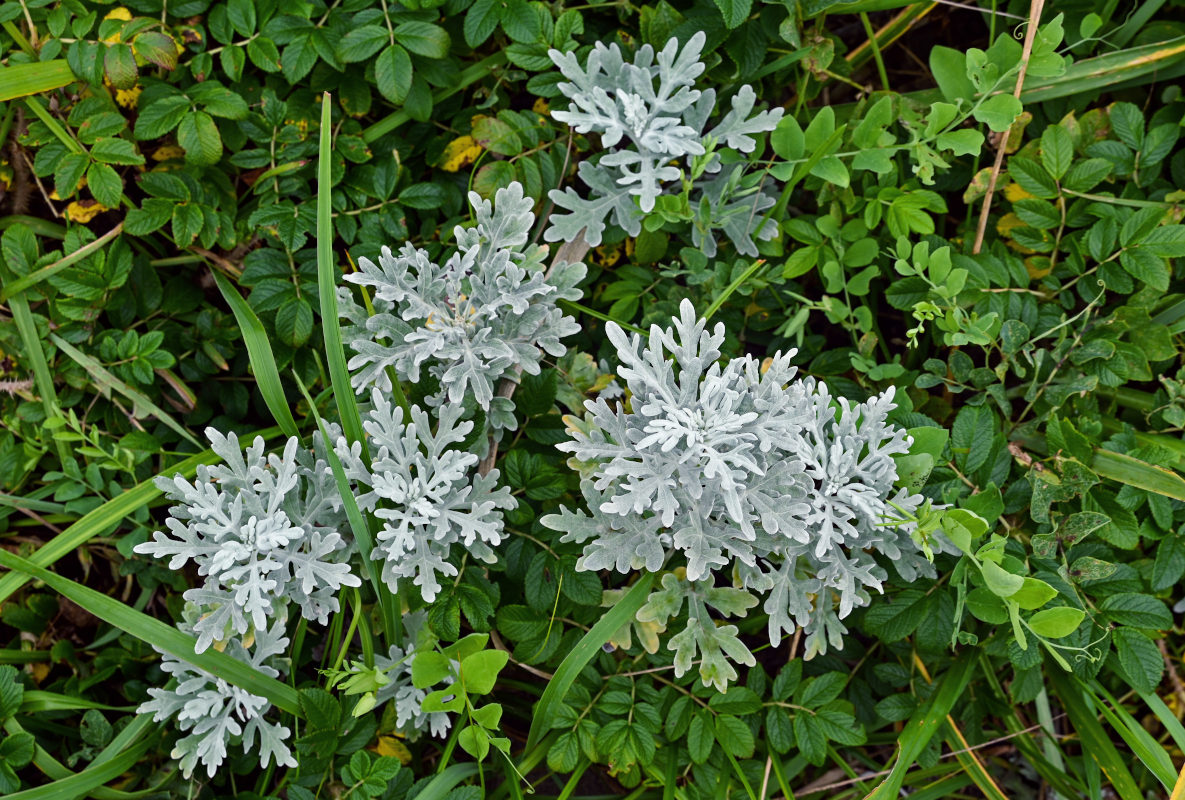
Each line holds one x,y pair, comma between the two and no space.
592,642
80,784
34,700
105,517
343,392
358,526
31,341
924,723
263,361
1140,474
1096,745
105,382
160,635
22,80
1138,740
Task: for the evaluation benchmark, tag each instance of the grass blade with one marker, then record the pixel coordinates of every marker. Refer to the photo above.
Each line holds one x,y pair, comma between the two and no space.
160,635
443,783
358,526
34,700
105,382
105,517
27,329
1140,474
259,350
1096,745
924,723
582,653
22,80
1138,740
343,392
80,784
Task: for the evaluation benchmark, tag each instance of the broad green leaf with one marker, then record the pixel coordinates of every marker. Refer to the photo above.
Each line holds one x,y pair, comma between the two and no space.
199,138
1054,623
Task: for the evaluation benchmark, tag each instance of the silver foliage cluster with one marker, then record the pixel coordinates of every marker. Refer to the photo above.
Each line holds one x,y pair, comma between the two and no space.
738,473
214,714
262,529
422,485
487,313
646,129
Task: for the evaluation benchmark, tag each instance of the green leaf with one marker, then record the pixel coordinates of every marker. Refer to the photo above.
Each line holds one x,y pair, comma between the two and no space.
393,73
1000,581
700,738
1033,594
832,170
1139,657
779,729
971,437
361,43
812,741
480,21
113,150
1032,177
187,223
1170,563
1057,150
21,80
1054,623
1137,610
998,112
294,321
423,39
965,142
120,65
734,11
157,48
480,670
198,136
788,140
738,700
949,67
157,118
264,54
735,736
105,184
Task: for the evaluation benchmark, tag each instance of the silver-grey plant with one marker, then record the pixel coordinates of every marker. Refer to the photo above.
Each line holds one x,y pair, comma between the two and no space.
262,529
738,473
214,714
485,314
424,489
647,130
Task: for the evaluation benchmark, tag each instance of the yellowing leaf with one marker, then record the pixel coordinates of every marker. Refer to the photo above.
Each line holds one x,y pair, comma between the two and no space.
541,107
460,152
128,98
83,211
167,152
391,747
1014,193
